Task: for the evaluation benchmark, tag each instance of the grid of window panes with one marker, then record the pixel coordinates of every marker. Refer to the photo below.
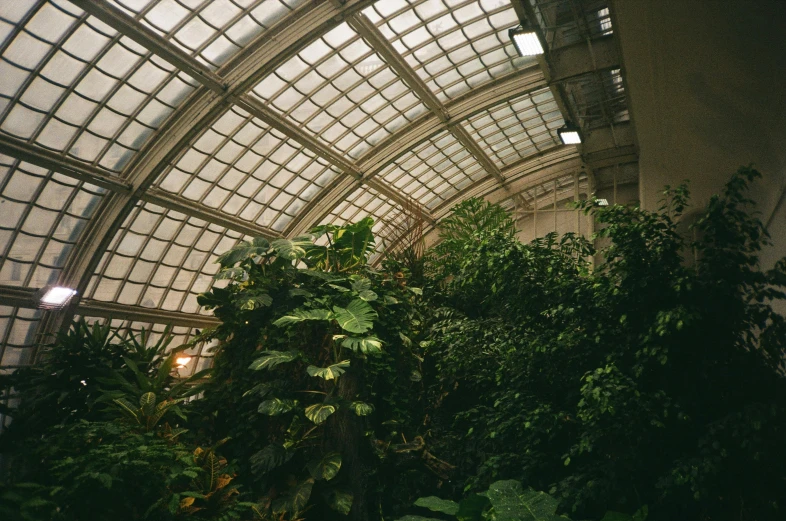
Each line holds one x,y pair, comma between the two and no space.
242,167
211,31
72,84
565,23
43,216
18,334
434,171
341,90
453,45
150,334
519,128
160,259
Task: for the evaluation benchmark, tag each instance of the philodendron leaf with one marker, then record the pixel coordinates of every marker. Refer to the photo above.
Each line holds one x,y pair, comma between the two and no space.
269,458
367,345
327,467
292,249
436,504
277,406
357,317
319,412
367,295
299,315
512,502
361,284
339,500
231,274
270,359
255,302
296,500
244,250
328,373
471,508
361,408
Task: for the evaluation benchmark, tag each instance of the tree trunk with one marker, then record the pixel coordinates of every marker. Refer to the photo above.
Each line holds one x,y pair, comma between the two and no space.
344,433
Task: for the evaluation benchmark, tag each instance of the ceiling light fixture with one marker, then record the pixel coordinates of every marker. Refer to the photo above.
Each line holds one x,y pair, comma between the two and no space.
182,361
526,40
603,202
569,134
54,297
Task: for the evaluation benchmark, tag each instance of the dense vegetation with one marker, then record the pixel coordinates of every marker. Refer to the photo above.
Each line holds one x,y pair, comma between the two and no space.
491,379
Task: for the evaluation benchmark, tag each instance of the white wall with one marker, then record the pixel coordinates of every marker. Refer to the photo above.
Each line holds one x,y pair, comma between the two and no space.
706,84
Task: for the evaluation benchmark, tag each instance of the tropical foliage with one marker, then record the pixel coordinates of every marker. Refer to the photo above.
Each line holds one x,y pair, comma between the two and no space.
643,380
654,377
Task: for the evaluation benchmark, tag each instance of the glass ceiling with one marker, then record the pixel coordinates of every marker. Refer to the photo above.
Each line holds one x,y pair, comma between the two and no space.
141,138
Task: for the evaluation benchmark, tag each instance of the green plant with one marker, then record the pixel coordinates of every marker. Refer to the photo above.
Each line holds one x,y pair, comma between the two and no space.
313,370
506,500
646,379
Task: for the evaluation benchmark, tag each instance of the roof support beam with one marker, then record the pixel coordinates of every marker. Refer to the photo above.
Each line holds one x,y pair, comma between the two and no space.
427,126
25,298
366,28
194,209
67,166
131,28
384,48
574,60
271,49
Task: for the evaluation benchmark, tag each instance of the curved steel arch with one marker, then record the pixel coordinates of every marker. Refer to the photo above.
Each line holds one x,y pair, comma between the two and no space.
227,87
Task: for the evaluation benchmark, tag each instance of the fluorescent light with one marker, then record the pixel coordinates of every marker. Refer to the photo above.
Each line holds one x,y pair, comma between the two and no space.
526,41
56,297
569,134
182,361
603,202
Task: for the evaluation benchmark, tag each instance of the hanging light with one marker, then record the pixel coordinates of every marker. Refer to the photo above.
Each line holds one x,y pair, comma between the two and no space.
526,40
182,361
569,134
54,297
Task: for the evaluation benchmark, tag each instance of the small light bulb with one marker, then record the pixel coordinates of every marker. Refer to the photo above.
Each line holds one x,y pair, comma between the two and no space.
83,382
182,361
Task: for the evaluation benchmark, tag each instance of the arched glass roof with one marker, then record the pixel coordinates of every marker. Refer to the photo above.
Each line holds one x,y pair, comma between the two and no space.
139,139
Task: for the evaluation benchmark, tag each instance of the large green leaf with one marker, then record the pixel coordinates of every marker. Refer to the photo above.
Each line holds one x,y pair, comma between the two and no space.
416,518
357,317
299,315
319,412
296,500
367,345
327,467
277,406
293,249
231,274
331,372
251,302
270,359
361,408
471,508
244,250
361,284
269,458
436,504
147,403
339,500
512,502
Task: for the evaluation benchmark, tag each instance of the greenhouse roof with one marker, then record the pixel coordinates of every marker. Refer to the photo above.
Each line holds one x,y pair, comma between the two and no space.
139,139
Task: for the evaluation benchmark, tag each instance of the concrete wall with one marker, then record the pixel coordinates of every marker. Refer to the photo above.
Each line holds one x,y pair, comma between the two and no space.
706,84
